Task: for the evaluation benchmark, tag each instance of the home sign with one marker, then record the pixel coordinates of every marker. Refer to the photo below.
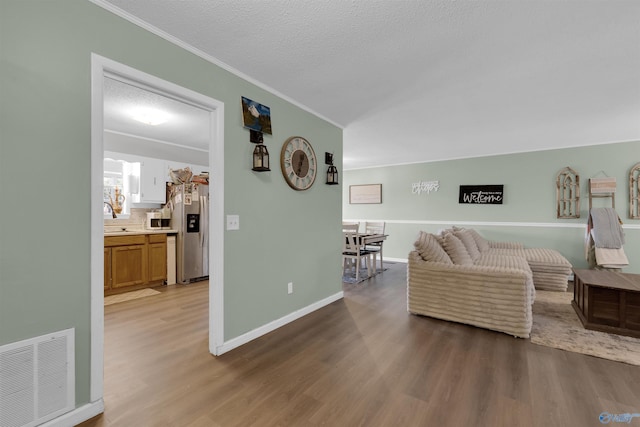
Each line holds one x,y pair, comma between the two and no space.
481,194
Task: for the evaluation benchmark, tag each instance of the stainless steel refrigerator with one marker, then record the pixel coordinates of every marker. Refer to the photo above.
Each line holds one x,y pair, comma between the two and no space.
190,216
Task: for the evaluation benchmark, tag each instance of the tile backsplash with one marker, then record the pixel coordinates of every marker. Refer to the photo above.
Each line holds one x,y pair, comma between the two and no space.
137,219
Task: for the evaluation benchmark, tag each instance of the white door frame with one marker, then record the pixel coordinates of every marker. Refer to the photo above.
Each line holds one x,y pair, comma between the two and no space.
99,67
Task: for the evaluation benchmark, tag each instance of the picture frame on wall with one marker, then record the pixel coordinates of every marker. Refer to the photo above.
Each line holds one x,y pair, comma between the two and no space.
256,116
365,194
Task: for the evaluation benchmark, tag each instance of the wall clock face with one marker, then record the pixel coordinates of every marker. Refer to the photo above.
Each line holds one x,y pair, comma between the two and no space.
298,163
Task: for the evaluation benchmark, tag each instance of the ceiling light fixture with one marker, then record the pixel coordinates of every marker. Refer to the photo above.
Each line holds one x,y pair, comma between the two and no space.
149,116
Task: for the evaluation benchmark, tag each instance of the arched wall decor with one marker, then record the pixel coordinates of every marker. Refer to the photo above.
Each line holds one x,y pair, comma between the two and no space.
634,192
568,193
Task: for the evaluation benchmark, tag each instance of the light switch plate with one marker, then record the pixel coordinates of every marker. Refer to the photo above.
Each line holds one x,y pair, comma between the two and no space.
233,222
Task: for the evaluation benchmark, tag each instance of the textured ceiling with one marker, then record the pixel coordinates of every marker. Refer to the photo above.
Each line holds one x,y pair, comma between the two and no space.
185,124
417,81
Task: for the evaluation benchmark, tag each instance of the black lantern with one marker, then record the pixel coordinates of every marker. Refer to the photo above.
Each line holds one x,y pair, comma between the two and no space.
332,175
332,172
260,158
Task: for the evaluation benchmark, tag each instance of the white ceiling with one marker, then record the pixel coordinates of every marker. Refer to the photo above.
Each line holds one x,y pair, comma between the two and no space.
418,81
185,124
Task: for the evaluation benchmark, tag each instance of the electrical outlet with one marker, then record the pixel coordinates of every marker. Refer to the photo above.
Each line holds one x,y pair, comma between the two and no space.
233,222
290,288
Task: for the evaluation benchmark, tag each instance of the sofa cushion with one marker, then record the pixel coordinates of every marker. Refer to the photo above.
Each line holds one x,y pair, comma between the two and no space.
481,242
456,250
469,243
506,262
429,248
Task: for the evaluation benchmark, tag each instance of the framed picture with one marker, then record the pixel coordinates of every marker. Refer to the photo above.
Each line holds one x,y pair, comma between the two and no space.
256,116
365,194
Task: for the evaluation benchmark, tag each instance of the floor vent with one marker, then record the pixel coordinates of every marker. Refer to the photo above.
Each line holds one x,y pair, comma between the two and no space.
37,379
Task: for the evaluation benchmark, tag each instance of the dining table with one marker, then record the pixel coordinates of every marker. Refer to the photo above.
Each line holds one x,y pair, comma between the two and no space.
363,239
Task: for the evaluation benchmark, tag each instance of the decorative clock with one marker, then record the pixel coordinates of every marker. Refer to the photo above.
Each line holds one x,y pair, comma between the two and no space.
298,163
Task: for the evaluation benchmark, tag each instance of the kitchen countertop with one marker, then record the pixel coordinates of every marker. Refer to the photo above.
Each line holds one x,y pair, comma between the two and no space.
134,231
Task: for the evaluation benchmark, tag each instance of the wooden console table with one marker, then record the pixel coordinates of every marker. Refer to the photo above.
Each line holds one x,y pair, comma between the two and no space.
608,301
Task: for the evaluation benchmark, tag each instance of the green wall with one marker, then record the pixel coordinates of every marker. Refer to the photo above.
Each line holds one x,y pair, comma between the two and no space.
528,213
285,236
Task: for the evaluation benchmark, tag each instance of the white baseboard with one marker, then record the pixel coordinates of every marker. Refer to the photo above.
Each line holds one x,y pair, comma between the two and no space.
271,326
78,415
402,260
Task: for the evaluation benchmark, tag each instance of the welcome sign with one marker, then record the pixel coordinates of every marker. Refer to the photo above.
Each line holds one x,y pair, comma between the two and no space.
481,194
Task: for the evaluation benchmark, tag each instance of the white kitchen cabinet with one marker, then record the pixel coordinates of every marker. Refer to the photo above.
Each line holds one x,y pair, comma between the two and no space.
152,181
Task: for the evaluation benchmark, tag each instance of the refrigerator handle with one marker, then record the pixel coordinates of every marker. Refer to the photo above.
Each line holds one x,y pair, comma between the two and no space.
202,220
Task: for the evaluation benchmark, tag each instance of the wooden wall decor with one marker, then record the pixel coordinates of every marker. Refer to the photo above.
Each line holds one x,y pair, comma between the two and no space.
568,193
634,192
602,187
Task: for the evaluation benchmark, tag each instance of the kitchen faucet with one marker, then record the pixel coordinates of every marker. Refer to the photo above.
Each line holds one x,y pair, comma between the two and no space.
113,213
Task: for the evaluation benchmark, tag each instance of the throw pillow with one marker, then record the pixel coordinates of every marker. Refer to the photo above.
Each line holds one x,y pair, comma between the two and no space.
483,244
430,249
456,250
469,243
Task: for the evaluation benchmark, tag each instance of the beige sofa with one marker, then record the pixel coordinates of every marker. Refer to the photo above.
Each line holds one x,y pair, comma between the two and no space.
460,276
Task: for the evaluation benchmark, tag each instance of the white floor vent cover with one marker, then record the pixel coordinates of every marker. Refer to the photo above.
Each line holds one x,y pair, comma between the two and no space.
37,379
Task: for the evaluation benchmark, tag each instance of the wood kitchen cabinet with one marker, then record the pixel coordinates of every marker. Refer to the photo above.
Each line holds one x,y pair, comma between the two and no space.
107,268
134,261
129,265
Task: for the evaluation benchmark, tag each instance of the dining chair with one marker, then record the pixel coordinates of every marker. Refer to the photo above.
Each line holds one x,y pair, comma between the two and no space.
355,253
375,228
350,226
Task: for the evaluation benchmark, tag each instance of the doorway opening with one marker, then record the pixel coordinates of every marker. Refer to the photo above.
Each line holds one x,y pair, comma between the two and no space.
101,69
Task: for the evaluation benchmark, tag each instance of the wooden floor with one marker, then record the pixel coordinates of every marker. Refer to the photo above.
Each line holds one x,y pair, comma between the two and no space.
361,361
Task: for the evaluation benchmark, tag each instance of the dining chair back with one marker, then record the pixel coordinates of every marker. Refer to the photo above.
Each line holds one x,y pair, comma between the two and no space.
353,253
353,227
375,228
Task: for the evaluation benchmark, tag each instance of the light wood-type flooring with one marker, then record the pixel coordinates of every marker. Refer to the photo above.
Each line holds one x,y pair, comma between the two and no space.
361,361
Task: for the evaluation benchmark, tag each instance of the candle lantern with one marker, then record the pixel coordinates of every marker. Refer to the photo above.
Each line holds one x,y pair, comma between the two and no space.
260,158
332,172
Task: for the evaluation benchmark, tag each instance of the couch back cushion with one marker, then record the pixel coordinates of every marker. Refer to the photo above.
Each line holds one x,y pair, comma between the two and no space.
481,242
456,250
469,243
429,248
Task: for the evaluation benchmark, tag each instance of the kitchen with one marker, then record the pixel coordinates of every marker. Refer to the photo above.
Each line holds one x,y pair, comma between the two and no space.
156,192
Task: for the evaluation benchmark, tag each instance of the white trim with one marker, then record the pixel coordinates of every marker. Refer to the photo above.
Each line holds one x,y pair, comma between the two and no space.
401,260
216,235
101,66
345,168
488,223
78,415
172,39
96,380
271,326
159,141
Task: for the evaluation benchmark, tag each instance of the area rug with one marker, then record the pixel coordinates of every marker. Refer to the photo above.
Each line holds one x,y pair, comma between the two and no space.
556,324
350,277
128,296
